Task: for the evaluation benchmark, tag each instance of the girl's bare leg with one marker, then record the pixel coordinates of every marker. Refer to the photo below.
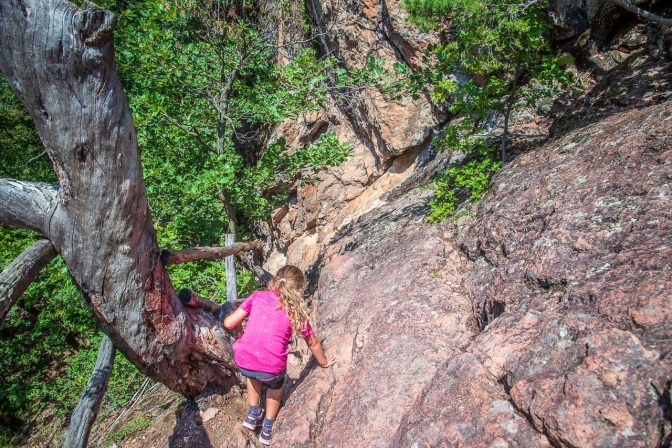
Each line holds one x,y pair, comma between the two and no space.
253,392
273,398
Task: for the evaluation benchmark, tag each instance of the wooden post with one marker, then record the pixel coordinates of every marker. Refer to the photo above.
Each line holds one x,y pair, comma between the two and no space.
86,411
230,263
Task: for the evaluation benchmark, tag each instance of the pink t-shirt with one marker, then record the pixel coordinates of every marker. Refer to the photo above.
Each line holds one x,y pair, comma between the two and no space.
264,344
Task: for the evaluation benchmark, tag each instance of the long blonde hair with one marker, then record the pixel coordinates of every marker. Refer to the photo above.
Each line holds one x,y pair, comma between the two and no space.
289,283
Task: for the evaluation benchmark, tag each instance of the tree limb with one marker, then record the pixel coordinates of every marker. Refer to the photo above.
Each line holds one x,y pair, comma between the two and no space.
169,257
86,411
651,17
254,266
21,272
25,205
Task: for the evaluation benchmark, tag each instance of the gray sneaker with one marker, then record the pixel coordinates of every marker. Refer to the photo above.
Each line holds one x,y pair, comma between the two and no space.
252,421
265,435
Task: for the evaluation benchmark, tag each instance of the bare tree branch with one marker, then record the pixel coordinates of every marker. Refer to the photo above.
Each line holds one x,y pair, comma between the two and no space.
169,257
86,411
664,21
203,93
254,266
190,131
21,272
25,205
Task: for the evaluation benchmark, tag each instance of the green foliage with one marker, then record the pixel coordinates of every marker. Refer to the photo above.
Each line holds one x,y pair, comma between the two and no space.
205,90
197,88
496,58
469,180
497,52
372,75
49,345
23,156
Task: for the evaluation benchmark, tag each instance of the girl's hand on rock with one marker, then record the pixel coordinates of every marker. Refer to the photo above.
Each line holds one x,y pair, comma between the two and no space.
331,360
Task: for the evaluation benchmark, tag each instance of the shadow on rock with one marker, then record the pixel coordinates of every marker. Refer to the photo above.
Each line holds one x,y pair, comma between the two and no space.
292,384
189,431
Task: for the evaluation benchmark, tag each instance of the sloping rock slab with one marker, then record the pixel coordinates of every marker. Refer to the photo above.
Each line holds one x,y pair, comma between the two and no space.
392,308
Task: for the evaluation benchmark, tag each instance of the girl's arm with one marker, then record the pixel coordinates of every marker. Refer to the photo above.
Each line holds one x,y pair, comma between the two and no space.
234,319
316,348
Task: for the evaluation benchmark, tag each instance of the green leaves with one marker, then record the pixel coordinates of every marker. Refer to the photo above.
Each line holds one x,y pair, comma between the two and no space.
23,156
277,170
496,58
493,50
200,89
463,181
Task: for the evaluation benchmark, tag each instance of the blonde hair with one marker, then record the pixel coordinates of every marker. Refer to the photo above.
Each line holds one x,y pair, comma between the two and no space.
289,283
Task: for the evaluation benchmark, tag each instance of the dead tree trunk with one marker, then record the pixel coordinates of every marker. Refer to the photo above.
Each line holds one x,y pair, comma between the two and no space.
86,411
59,60
18,275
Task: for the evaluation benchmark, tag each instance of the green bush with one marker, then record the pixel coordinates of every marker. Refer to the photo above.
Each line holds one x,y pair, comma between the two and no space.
495,59
467,181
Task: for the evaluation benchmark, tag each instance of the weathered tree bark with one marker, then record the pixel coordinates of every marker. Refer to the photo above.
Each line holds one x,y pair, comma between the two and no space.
16,277
207,253
59,60
85,413
26,205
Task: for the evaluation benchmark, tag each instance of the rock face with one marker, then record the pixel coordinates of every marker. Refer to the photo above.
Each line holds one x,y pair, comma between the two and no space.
390,304
387,135
546,322
571,282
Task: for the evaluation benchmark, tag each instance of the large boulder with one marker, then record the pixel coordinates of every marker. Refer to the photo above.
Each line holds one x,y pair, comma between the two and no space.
571,281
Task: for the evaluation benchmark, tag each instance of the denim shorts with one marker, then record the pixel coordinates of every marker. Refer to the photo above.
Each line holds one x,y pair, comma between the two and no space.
270,380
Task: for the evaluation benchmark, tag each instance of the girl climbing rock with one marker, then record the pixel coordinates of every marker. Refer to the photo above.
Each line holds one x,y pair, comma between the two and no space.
261,353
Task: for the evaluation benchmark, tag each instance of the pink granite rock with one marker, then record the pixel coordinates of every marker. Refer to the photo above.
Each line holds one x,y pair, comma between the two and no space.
546,322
